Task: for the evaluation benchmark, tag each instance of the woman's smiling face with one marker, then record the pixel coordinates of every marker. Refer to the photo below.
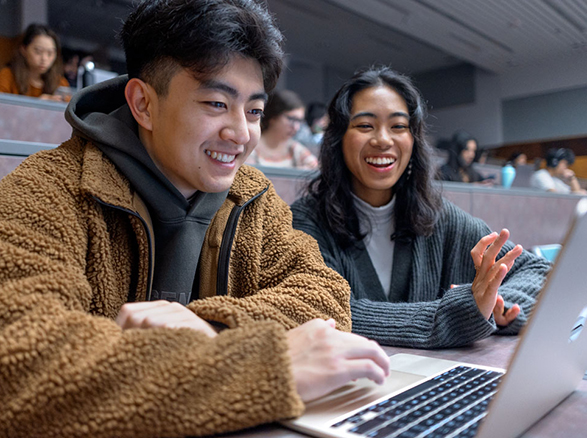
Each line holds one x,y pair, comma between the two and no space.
377,145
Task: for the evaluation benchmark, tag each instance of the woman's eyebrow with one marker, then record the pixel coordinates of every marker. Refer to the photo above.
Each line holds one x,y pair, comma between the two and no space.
363,114
391,116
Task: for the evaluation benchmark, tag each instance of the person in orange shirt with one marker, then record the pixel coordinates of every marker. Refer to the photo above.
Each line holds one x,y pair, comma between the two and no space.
36,69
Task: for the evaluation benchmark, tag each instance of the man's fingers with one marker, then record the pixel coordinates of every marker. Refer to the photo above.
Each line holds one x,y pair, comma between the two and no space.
369,350
143,316
364,368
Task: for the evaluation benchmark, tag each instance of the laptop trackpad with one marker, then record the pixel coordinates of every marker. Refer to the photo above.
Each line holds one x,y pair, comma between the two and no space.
360,393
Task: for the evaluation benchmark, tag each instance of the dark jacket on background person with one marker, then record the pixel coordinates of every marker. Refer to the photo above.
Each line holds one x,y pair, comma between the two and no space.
77,242
422,310
449,173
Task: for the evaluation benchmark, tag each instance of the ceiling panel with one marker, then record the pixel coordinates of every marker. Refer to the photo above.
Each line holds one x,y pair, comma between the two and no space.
412,35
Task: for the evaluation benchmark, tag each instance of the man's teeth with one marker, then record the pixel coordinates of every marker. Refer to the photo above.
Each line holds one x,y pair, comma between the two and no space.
221,157
379,160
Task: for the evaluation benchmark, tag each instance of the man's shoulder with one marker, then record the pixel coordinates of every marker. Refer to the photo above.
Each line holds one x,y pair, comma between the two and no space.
62,159
542,179
248,183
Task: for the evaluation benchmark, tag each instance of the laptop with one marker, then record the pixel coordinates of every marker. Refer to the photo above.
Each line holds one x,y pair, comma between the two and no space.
523,175
427,397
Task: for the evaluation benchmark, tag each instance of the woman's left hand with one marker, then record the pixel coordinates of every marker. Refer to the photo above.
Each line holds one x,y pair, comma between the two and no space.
490,274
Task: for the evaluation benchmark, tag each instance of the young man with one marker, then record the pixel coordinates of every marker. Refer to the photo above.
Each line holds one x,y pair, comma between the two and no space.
557,177
148,205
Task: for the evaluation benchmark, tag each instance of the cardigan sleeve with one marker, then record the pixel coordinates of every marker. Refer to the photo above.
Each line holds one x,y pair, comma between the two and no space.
521,285
66,371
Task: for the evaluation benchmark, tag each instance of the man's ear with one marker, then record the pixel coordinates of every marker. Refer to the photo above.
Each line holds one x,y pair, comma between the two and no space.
141,99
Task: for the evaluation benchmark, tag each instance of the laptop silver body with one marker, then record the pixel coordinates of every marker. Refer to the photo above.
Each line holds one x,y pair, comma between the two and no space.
548,364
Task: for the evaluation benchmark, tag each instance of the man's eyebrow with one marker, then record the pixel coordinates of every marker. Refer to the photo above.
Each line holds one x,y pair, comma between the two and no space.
213,84
260,96
391,116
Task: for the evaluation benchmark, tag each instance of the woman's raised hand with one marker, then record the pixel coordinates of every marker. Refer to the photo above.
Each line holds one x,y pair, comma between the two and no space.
490,274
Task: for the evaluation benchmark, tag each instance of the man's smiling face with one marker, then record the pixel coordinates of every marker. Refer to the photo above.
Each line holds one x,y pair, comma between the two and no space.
202,131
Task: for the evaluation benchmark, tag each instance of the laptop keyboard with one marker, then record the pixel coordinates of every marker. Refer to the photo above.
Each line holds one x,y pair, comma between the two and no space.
451,404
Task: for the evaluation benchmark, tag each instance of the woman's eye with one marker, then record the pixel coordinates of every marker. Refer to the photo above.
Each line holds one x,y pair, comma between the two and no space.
363,126
399,127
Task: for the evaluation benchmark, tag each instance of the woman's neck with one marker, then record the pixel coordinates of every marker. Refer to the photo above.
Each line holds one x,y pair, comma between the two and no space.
272,141
35,80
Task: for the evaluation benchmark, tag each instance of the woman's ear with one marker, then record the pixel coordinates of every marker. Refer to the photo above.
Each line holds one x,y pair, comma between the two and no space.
142,100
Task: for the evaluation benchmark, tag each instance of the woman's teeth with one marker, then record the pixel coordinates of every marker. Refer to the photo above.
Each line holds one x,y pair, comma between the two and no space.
380,161
221,157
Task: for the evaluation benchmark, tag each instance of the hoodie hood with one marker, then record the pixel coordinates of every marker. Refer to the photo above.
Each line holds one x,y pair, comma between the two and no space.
101,115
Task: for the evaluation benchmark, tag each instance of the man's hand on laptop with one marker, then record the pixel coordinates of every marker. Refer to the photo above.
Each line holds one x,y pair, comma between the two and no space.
324,359
490,274
153,314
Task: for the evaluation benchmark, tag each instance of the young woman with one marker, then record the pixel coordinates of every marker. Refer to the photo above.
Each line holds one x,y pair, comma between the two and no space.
423,273
459,167
283,116
36,69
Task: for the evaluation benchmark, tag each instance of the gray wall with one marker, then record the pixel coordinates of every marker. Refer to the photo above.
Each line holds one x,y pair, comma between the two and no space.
546,116
9,27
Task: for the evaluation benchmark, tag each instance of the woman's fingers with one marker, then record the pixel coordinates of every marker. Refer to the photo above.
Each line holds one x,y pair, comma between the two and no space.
494,249
504,318
511,256
479,249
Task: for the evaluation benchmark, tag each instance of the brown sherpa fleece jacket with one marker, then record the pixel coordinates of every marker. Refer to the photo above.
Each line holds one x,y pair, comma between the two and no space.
73,248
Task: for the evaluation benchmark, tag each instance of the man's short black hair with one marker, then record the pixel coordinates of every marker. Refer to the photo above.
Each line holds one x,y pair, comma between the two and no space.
202,36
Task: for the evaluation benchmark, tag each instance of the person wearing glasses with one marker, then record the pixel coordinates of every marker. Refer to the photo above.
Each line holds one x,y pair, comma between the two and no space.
283,116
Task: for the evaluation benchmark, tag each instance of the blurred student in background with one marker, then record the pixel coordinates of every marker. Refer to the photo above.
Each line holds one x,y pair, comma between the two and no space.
557,177
283,116
310,133
459,167
518,159
36,68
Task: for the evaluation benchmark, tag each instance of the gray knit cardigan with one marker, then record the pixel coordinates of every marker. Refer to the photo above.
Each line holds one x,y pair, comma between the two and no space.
422,311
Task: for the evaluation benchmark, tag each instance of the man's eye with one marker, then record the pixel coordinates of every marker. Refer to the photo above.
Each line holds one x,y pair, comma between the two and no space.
217,104
258,112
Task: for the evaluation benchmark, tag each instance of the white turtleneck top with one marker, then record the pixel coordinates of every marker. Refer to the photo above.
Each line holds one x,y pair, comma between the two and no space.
379,228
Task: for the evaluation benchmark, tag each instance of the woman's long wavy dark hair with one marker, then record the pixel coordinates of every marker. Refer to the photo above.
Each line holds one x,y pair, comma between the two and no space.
20,69
417,201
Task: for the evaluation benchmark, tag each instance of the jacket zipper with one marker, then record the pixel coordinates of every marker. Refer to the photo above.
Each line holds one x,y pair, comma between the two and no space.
149,242
226,245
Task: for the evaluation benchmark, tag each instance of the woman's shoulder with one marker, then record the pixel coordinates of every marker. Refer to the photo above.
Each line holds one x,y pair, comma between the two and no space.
306,205
7,82
6,72
450,212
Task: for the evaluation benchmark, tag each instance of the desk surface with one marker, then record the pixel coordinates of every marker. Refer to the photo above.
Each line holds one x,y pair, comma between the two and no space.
568,420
